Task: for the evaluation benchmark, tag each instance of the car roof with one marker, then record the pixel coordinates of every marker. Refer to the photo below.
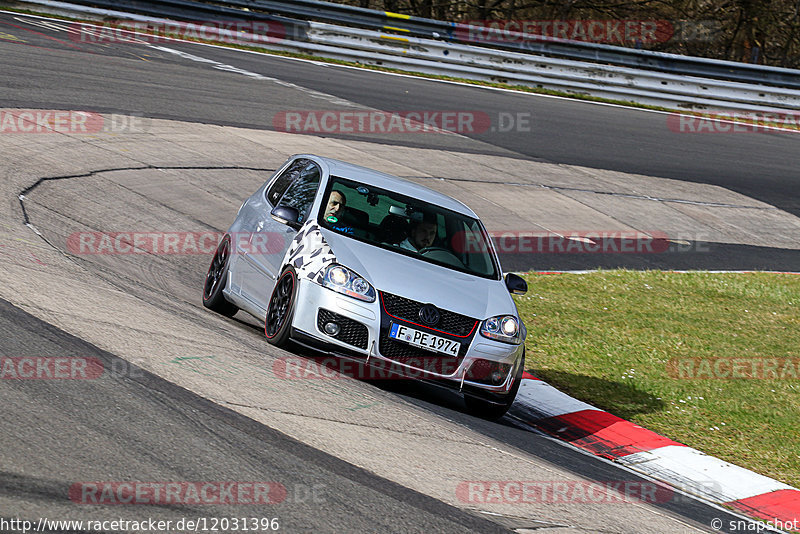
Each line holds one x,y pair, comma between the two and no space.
342,169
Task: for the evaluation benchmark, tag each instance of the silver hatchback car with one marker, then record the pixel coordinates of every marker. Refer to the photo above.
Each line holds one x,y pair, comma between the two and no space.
366,266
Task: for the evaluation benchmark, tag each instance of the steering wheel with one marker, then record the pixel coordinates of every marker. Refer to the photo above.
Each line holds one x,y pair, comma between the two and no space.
441,254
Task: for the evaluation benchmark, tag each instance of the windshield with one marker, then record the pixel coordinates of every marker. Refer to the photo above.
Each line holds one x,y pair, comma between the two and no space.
407,226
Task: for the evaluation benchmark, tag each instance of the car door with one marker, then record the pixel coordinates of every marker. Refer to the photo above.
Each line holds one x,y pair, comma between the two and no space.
268,240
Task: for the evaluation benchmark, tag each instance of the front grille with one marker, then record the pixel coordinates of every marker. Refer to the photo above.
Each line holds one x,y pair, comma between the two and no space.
350,331
408,310
417,357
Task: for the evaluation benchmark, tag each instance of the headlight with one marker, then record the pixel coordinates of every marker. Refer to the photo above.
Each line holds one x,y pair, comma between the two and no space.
505,328
343,280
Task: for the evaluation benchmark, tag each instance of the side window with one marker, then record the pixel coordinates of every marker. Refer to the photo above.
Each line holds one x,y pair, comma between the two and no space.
283,181
300,194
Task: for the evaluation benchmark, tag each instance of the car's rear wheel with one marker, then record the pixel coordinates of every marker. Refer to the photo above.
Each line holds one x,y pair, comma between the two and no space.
480,407
216,278
280,311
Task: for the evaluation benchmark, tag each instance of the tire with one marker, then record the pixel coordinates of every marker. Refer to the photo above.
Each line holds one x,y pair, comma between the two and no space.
487,410
278,324
216,278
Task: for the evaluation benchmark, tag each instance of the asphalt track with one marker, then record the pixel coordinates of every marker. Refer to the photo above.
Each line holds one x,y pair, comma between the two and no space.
154,425
130,421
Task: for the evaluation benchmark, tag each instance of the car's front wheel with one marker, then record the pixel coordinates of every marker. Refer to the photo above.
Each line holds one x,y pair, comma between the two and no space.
488,410
278,324
216,278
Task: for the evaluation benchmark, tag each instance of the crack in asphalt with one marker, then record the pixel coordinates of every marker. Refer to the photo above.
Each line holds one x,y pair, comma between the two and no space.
114,278
25,192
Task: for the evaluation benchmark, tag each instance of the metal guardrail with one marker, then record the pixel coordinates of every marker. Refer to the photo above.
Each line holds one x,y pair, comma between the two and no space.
527,43
411,26
458,60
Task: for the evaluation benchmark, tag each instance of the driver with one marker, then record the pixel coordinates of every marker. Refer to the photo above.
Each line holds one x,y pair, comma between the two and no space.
334,210
421,234
336,205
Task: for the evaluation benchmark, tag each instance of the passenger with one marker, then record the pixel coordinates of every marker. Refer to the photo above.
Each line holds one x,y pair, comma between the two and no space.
421,234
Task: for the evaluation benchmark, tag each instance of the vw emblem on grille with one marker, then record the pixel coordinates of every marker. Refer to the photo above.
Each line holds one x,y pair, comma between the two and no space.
429,315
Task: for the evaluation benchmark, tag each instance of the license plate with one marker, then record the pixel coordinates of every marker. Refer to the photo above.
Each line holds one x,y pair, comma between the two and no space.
424,340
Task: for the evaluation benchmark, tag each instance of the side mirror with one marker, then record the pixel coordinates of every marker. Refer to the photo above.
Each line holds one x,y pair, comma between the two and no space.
286,215
516,285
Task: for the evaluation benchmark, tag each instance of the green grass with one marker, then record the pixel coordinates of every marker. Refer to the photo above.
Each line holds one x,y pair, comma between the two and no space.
608,337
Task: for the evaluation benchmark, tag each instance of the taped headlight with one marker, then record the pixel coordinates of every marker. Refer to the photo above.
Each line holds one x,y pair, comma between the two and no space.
342,280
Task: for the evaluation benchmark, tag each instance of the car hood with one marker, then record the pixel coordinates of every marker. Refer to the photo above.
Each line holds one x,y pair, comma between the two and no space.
421,281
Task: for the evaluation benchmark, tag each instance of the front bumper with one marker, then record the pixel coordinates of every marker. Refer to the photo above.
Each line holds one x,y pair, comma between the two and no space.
363,334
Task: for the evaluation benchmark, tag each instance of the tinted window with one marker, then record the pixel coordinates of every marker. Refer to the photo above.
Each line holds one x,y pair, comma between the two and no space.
286,178
300,194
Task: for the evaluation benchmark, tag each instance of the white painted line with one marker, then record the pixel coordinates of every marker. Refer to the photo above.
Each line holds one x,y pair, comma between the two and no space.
697,472
537,399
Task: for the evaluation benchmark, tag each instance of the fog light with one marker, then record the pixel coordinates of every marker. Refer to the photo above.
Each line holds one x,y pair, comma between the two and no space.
331,329
498,376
